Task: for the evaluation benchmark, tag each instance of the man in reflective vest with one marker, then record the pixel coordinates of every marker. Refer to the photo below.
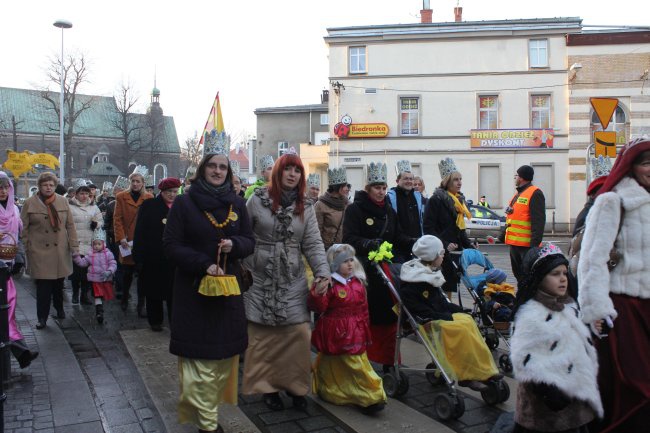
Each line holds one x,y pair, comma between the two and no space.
526,219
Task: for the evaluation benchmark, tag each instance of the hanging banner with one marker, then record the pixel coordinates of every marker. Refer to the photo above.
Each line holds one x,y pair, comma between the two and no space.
511,138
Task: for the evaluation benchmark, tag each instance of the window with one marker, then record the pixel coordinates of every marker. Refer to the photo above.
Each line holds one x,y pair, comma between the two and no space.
488,112
324,119
283,146
538,53
617,123
545,180
489,178
409,116
540,111
321,138
357,60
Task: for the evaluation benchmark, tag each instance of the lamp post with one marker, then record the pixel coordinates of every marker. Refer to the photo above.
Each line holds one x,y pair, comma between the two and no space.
62,24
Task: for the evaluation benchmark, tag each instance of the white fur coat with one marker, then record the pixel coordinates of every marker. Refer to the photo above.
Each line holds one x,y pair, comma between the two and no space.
632,274
555,348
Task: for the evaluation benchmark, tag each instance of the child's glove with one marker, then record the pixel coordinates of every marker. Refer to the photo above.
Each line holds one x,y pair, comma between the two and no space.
106,275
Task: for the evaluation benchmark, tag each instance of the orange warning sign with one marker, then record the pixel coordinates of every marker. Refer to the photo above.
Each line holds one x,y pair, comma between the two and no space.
605,142
604,108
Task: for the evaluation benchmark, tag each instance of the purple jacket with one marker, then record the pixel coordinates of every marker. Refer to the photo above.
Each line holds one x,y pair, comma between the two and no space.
97,263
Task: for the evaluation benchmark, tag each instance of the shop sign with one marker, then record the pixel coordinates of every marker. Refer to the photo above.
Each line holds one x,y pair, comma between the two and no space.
346,129
511,138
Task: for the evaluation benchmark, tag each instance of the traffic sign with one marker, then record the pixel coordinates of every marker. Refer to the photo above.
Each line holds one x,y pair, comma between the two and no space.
605,142
604,108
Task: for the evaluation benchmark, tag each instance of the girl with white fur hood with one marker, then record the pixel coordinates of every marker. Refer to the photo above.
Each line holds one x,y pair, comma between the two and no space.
552,351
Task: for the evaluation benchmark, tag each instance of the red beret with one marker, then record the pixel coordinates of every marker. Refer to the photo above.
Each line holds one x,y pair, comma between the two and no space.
595,185
169,182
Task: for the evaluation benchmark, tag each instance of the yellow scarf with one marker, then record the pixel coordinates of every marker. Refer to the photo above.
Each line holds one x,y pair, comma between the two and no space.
462,211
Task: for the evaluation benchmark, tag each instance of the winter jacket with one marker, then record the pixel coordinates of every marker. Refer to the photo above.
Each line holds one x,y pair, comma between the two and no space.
124,218
343,327
631,276
49,253
421,294
409,208
365,227
555,362
157,272
278,295
440,220
83,215
206,327
97,263
330,220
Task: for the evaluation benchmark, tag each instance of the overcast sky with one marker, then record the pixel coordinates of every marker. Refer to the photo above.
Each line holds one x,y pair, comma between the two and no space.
255,53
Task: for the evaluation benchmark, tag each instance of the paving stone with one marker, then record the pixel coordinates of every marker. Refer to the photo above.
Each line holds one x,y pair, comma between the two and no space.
289,427
116,417
129,428
315,423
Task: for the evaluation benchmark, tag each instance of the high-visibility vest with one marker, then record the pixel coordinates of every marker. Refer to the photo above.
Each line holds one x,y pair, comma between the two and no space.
518,224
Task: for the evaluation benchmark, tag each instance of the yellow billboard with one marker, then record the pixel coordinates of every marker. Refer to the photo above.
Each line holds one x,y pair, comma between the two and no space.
511,138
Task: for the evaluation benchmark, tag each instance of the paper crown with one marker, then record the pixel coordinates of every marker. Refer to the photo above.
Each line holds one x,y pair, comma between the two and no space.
266,161
403,166
142,170
548,249
377,172
447,166
235,167
191,171
78,183
337,176
149,181
99,235
600,166
313,180
121,182
216,143
107,186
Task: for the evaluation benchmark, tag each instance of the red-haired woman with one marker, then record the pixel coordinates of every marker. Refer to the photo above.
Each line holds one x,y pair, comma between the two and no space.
285,228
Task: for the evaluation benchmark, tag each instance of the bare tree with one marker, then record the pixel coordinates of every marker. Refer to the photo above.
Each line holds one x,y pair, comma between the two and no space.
75,74
191,150
127,122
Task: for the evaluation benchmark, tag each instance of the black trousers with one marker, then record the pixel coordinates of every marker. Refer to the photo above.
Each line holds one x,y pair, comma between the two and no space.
127,279
517,260
155,314
48,291
79,280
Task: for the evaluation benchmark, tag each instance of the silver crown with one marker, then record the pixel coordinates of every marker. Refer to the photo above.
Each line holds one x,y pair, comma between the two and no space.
149,181
121,182
99,235
377,172
336,176
216,143
313,180
266,162
447,166
403,166
107,186
600,166
235,167
142,170
78,183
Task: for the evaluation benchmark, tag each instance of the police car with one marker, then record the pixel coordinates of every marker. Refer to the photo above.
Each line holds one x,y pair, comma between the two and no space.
485,223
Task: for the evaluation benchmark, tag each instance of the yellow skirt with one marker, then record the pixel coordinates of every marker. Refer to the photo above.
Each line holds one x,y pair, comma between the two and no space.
460,348
205,384
347,379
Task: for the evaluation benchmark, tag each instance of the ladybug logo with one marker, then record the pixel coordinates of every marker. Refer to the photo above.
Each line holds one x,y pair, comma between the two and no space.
342,128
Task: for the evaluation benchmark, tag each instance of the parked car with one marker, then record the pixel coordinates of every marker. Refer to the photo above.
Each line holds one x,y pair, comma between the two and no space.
485,223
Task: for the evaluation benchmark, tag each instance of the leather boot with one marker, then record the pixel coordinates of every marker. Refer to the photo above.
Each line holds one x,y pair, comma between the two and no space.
99,313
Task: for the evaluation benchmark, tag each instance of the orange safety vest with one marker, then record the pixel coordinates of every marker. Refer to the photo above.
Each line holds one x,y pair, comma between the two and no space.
518,224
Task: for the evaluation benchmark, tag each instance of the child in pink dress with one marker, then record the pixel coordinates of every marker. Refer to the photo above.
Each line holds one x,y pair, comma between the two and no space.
101,266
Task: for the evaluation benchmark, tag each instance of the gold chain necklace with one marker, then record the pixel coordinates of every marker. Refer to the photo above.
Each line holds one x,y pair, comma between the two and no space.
231,217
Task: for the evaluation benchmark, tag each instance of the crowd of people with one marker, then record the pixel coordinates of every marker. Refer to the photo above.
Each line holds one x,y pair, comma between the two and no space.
278,251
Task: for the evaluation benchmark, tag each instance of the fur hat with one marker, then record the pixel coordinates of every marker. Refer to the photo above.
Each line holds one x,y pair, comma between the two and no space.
428,247
526,172
496,276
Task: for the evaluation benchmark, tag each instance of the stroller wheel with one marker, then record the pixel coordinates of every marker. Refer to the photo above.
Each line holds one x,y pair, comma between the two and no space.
497,391
492,341
395,386
505,363
448,406
434,378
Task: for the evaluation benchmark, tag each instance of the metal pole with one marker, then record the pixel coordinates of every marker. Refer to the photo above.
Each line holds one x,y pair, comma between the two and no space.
61,138
4,339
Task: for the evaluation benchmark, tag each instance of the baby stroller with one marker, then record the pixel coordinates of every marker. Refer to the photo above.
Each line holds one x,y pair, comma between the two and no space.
448,404
492,330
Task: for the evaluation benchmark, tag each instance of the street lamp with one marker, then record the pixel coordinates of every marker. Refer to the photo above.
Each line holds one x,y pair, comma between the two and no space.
62,24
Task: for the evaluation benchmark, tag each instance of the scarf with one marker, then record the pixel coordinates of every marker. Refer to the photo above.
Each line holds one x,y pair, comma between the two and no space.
336,203
135,195
216,191
288,197
380,203
53,215
461,210
553,303
10,221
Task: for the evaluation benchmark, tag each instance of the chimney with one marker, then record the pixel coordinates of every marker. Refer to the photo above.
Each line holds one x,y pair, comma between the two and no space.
458,14
426,14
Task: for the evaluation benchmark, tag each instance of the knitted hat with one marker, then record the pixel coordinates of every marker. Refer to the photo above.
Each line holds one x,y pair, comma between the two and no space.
427,248
495,276
526,172
168,183
540,261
